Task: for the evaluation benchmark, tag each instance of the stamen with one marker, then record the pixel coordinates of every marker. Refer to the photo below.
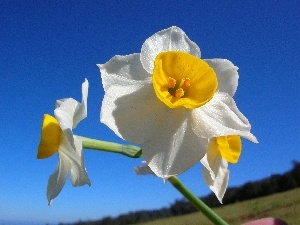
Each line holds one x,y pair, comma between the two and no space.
179,93
186,82
172,82
179,89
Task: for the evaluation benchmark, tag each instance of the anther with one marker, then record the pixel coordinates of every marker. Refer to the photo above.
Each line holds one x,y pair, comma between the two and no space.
179,89
172,82
179,93
185,83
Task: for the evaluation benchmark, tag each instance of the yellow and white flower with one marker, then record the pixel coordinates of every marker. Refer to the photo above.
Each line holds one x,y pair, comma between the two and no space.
170,101
57,136
221,151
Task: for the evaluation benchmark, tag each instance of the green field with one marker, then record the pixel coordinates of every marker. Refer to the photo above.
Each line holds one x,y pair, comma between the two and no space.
285,205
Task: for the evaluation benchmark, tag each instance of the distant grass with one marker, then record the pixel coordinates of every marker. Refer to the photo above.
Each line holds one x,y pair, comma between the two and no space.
284,205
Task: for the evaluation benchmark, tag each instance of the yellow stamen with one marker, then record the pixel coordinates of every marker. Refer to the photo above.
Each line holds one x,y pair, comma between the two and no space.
50,137
230,147
185,83
183,80
179,93
172,82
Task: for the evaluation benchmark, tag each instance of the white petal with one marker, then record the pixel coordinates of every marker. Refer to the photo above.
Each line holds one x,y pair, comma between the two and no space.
81,112
70,161
58,178
221,117
227,75
215,172
59,102
132,112
123,70
79,176
143,170
174,147
70,112
65,116
171,39
219,184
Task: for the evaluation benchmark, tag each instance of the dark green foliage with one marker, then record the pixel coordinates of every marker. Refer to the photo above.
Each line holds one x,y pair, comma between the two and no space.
296,172
181,207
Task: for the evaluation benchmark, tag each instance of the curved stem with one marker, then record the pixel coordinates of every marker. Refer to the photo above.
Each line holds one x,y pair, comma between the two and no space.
207,211
131,151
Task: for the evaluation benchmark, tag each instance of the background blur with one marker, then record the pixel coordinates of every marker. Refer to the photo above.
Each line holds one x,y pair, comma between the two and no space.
47,48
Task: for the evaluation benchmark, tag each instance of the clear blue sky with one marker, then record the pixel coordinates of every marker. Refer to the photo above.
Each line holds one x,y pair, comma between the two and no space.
47,48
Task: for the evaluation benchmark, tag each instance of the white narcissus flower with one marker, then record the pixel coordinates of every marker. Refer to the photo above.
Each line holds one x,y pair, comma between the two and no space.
57,136
220,151
170,101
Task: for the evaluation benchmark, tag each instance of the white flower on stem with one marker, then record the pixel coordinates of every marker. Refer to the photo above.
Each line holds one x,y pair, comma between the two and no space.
170,101
221,150
57,136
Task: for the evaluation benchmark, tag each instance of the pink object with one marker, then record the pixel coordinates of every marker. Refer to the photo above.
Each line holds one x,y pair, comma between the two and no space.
266,221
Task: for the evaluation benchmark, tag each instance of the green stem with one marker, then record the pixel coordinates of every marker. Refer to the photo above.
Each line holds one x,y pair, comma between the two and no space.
127,150
207,211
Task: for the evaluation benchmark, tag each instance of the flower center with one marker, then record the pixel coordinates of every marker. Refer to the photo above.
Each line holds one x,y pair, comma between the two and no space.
50,137
230,147
178,90
183,80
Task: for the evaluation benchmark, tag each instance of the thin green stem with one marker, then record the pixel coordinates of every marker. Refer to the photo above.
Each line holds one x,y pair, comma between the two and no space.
207,211
131,151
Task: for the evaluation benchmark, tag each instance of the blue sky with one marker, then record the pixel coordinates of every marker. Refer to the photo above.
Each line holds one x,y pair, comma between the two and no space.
47,48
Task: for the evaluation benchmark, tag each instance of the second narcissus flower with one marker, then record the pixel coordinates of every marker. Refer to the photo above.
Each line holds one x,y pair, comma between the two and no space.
170,101
220,151
57,136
